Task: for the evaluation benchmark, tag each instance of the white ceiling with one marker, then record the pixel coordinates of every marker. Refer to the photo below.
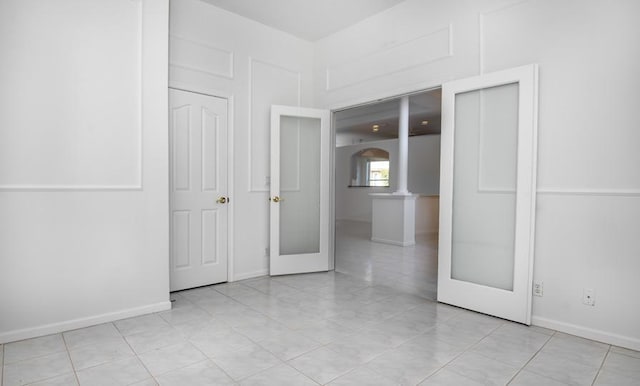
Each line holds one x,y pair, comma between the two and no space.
424,106
307,19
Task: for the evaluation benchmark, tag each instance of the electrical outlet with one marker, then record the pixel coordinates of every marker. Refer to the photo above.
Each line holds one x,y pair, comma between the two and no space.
538,287
267,251
589,297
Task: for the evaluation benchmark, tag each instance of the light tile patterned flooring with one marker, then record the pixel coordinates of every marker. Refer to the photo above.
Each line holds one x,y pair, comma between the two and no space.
412,269
325,328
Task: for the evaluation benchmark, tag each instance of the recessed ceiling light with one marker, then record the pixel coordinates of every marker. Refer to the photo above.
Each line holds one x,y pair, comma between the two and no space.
424,123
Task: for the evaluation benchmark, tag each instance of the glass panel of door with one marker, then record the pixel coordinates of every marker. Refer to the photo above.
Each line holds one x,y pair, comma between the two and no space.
484,186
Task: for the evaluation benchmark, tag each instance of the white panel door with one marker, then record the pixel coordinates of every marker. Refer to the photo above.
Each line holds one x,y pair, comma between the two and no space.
199,202
300,186
487,193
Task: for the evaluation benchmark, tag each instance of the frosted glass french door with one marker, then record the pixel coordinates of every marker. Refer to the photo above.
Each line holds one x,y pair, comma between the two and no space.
487,196
299,199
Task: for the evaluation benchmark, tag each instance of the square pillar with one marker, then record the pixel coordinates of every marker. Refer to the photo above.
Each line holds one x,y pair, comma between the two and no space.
394,218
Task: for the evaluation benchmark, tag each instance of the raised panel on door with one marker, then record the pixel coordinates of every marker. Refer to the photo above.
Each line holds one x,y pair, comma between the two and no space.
199,202
181,147
210,134
210,229
180,236
487,193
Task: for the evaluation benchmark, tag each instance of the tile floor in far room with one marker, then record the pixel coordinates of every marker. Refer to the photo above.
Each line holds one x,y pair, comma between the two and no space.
315,329
412,269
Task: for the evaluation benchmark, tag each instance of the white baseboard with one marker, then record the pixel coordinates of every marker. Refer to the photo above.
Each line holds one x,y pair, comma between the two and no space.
426,231
589,333
251,275
54,328
393,242
360,220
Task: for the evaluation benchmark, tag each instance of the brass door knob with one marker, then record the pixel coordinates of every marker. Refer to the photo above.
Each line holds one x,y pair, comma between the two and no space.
275,199
222,200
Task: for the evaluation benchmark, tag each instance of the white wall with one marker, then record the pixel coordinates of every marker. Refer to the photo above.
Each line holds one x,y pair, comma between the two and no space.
588,213
423,178
427,214
218,52
83,163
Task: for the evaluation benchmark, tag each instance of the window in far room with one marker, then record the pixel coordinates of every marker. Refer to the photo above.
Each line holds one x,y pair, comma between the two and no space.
370,167
378,173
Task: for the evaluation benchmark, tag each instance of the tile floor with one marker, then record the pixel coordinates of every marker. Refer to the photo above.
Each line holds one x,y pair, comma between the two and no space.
412,269
325,328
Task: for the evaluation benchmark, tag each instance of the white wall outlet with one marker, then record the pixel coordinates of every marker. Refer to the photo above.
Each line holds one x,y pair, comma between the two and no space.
538,288
589,297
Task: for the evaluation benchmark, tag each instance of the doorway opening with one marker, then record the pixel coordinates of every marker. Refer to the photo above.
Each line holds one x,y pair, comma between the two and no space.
366,162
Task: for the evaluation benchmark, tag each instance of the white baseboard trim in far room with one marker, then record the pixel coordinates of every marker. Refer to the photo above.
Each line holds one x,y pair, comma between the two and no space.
393,242
426,232
353,220
589,333
251,275
67,325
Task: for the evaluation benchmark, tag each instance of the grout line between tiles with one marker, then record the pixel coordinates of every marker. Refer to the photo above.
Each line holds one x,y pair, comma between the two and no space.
466,350
135,354
73,367
532,357
601,366
256,373
155,378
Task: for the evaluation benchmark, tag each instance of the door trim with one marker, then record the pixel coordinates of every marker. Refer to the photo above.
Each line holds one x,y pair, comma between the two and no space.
230,157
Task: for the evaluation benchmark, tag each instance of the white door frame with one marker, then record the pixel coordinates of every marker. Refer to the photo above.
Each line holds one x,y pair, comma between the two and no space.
332,172
230,156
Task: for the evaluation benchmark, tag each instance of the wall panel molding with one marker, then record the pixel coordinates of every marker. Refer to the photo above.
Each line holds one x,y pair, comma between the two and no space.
138,185
214,61
589,192
481,23
278,96
385,62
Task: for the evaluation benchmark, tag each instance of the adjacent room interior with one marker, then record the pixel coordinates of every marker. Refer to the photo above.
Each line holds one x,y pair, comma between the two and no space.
366,161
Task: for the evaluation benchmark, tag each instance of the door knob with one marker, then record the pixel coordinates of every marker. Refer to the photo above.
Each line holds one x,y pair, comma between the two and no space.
276,199
222,200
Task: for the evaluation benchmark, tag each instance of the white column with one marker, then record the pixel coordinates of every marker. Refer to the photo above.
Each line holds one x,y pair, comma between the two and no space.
403,146
393,217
